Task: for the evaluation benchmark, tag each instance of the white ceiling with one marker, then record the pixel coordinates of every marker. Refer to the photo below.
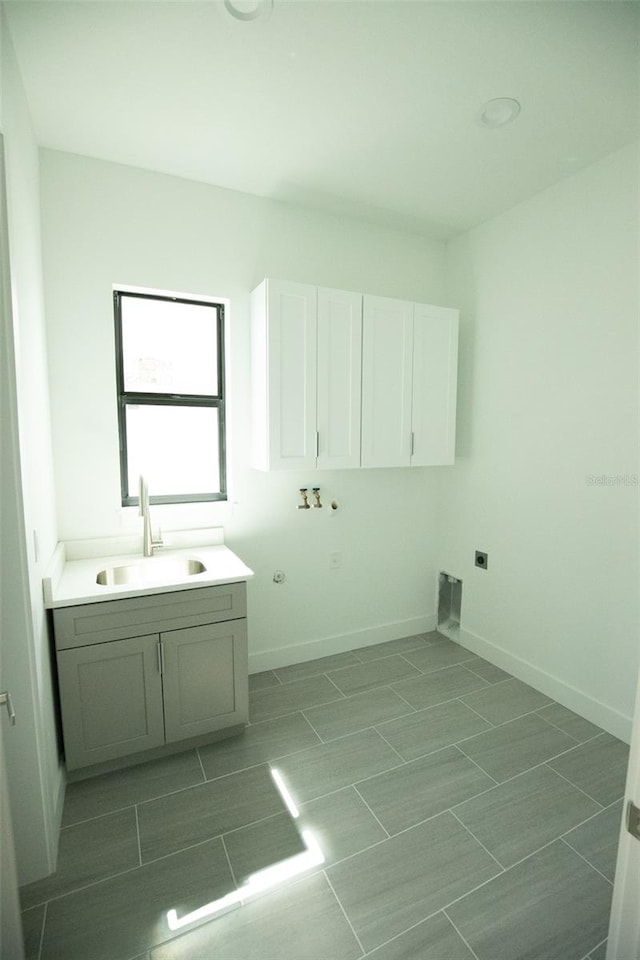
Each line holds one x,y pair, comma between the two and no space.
364,107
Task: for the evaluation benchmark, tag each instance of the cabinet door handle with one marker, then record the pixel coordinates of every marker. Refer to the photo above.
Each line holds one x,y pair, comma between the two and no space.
413,443
160,657
5,698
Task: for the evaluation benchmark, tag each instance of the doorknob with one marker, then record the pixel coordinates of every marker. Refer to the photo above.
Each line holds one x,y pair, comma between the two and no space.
5,698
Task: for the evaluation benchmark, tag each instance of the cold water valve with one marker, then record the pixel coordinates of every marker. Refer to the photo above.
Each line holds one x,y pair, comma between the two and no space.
305,505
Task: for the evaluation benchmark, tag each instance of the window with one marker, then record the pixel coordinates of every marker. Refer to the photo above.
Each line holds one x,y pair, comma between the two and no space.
171,404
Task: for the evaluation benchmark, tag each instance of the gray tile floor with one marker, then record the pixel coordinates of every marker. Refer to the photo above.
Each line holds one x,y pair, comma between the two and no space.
461,813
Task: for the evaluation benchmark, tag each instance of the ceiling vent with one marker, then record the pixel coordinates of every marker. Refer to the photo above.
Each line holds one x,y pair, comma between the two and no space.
499,111
249,9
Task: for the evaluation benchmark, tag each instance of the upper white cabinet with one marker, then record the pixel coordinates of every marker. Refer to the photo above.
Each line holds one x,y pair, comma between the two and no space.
387,352
409,379
434,385
339,377
306,359
342,379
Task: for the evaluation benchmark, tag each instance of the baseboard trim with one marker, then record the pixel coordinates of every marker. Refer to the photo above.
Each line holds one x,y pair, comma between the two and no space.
340,643
618,724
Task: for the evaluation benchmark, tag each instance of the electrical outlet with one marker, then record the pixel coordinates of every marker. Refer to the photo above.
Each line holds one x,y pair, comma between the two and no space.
335,560
482,560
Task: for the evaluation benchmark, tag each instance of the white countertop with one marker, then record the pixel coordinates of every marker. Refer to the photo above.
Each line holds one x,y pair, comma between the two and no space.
73,581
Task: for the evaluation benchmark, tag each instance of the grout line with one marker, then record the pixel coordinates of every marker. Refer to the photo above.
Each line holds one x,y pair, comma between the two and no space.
138,837
597,946
410,705
403,656
98,816
468,893
325,796
146,863
452,666
313,728
41,942
326,743
523,773
493,683
373,814
397,936
204,776
160,796
533,853
588,862
580,790
496,783
397,752
461,935
253,823
477,840
492,725
552,724
438,703
519,716
399,833
234,879
269,686
86,886
505,871
288,713
334,684
339,902
386,656
578,743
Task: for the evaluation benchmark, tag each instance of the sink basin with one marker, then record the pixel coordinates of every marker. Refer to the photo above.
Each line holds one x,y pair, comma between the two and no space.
153,570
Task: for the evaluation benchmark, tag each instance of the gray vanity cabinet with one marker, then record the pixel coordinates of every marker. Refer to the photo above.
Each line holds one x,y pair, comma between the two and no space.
143,673
203,670
111,699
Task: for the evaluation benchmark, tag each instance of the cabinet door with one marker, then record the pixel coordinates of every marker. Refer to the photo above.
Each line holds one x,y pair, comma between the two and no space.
284,375
339,378
435,368
387,335
205,679
110,700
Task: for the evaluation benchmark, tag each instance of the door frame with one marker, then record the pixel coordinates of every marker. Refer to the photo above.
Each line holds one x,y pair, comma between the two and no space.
11,936
624,926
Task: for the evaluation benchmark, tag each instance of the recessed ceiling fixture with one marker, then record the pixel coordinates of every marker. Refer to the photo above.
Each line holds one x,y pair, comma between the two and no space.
500,110
249,9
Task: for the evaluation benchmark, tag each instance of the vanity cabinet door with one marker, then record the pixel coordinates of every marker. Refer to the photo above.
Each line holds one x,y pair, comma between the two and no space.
205,679
111,700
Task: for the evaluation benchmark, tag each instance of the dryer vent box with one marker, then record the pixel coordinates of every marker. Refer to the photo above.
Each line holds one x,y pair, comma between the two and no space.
449,605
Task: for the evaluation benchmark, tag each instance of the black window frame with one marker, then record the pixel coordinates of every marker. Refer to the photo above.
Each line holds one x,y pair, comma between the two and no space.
126,398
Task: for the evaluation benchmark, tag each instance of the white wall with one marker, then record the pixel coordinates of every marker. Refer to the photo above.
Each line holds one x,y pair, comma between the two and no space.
103,224
28,504
547,399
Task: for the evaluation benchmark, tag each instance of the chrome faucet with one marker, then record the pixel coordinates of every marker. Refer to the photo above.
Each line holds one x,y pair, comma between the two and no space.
148,543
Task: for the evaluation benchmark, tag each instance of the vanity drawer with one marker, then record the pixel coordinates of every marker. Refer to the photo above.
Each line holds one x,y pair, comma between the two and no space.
109,620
